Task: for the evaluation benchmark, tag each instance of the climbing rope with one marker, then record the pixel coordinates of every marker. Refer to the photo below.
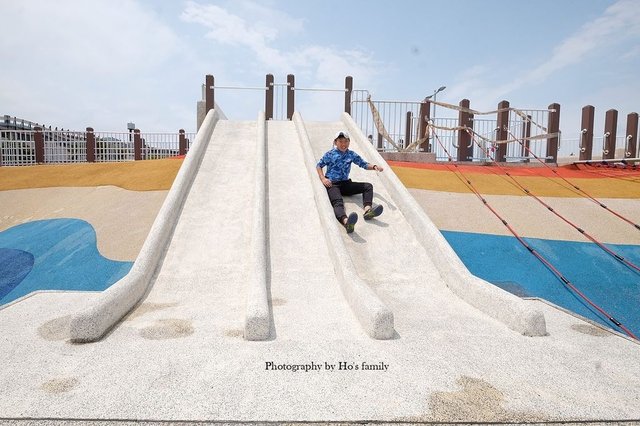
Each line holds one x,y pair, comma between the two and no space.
630,170
564,219
517,111
380,125
377,120
495,142
604,206
531,250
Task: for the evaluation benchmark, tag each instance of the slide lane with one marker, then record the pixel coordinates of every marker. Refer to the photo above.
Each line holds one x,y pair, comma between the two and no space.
405,259
202,281
389,258
306,299
319,282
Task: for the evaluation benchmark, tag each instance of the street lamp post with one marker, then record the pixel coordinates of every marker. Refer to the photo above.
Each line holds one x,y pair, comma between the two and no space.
434,96
131,127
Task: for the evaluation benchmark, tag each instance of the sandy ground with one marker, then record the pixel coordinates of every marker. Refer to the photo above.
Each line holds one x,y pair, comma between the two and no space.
120,200
120,217
453,211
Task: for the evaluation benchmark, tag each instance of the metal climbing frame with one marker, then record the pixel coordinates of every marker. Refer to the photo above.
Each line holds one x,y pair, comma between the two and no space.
401,120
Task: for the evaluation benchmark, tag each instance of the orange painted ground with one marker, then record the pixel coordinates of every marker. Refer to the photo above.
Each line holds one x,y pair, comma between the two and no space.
567,171
543,181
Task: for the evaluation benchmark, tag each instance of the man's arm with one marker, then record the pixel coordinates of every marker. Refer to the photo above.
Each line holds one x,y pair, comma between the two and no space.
326,182
367,166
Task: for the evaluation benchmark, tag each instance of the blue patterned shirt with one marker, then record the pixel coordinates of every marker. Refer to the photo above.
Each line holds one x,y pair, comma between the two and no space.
339,164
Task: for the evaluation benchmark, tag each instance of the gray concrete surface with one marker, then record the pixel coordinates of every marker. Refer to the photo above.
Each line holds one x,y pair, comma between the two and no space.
257,325
411,157
92,323
374,316
181,356
480,294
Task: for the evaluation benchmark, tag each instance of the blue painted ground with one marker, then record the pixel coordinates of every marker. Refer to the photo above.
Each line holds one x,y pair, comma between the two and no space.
56,254
503,261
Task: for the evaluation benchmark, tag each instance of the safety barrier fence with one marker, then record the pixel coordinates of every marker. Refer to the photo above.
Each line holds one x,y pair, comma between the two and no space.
572,148
40,146
511,135
400,118
508,134
280,98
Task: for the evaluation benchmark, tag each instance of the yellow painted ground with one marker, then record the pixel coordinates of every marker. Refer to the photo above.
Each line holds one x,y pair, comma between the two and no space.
120,200
148,175
493,184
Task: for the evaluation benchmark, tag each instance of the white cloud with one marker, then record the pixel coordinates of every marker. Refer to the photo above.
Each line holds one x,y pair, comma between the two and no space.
633,53
263,31
99,37
74,63
255,27
619,22
469,81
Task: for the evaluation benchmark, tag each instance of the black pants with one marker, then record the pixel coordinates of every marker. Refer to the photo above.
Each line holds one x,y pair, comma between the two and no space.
347,187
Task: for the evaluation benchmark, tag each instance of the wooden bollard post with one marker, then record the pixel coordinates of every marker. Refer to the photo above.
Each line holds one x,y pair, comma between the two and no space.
553,128
465,119
610,134
526,134
501,131
291,87
182,142
425,116
348,86
38,138
632,135
586,133
137,145
209,99
407,129
91,145
268,98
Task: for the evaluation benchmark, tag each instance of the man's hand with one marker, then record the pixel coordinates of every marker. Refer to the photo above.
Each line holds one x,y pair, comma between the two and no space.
326,182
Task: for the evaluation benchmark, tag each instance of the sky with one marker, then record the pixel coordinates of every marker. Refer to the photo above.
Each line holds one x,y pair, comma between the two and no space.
78,63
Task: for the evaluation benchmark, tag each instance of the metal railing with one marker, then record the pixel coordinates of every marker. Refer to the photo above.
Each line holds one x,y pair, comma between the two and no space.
64,146
484,151
485,145
572,148
394,115
401,120
18,147
162,145
535,124
280,101
446,141
114,146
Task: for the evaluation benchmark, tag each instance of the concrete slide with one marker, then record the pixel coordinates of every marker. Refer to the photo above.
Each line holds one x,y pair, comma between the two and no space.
248,226
249,302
